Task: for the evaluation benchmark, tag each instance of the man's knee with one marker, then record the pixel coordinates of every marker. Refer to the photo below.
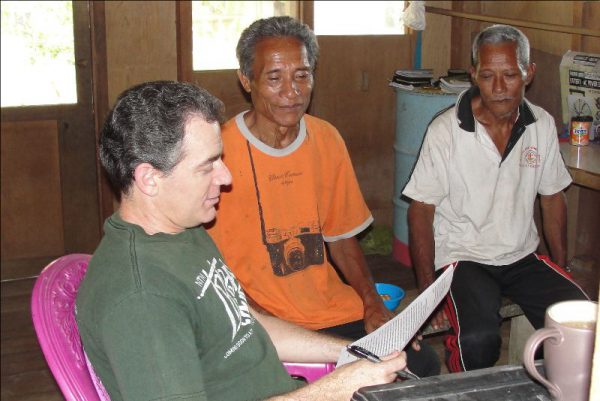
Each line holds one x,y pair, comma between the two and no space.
425,362
480,349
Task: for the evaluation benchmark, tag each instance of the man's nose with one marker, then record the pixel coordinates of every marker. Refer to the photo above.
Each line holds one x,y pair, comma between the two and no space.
223,175
499,85
290,88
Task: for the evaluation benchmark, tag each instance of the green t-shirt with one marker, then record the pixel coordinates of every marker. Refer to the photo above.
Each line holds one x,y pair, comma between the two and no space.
161,317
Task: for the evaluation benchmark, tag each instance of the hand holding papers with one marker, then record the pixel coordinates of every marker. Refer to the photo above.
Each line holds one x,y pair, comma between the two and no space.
396,334
362,353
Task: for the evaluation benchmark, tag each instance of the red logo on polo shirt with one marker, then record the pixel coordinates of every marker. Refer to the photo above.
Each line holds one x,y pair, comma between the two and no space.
530,157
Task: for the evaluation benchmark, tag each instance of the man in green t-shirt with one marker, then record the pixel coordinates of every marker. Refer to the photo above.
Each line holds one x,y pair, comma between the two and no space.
160,314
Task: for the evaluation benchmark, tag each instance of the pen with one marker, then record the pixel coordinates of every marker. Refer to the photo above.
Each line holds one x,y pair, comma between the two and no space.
362,353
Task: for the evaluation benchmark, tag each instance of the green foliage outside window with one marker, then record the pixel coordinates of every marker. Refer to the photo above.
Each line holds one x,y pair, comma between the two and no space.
217,26
38,58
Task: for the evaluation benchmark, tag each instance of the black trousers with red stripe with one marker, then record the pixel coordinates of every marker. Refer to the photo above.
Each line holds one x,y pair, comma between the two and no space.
475,297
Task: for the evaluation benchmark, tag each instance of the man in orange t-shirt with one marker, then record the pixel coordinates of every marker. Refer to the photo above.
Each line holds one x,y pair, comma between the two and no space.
294,190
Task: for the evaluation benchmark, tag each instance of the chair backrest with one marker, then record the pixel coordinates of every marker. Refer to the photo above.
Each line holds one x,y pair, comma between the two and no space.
53,313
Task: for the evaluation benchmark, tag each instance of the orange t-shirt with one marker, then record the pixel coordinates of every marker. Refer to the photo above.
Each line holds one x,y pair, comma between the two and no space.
282,205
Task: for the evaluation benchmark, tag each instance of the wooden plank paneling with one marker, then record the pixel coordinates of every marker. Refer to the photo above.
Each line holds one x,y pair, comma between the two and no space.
591,16
31,183
141,42
436,41
547,46
352,92
225,85
25,374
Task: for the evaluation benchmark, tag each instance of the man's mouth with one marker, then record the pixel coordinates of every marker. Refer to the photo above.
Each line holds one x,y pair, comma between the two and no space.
213,200
291,107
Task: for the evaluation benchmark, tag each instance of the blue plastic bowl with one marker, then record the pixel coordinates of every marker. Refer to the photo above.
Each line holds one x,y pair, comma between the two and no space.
394,292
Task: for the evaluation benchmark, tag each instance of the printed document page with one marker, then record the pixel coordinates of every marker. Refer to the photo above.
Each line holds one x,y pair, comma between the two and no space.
396,334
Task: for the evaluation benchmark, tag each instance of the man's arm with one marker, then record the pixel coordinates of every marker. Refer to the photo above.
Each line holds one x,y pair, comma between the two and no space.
422,245
294,343
554,223
340,384
297,344
422,249
348,257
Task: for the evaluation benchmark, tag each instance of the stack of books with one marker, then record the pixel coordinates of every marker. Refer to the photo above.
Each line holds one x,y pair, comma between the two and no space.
455,82
409,79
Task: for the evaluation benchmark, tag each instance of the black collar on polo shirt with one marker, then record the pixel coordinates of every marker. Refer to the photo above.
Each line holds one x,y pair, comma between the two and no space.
466,119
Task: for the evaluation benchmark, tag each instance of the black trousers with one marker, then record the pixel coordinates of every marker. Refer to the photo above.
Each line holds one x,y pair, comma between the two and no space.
423,363
475,297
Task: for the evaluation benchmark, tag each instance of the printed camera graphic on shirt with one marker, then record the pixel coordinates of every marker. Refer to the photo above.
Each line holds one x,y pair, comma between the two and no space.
294,249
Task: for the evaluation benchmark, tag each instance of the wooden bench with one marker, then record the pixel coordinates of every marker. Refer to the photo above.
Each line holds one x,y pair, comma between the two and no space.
520,328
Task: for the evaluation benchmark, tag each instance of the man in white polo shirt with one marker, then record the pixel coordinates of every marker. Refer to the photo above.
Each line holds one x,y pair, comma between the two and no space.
482,164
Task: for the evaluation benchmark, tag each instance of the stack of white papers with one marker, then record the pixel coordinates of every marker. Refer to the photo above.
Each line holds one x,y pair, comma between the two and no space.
422,73
397,333
452,85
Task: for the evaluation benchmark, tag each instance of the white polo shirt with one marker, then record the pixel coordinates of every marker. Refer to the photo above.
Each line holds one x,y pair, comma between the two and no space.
484,200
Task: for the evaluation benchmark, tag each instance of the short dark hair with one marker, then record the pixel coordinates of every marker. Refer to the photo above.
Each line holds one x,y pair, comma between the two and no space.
147,125
497,34
274,27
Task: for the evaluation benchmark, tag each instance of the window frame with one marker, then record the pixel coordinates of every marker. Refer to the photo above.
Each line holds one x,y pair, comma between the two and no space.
185,45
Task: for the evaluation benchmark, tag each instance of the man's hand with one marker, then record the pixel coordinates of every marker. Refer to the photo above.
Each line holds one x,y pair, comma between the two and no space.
439,319
349,259
340,384
416,342
376,314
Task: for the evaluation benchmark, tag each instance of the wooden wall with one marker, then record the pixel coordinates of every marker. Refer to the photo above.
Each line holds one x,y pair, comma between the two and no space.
352,93
553,27
351,88
144,39
141,43
49,203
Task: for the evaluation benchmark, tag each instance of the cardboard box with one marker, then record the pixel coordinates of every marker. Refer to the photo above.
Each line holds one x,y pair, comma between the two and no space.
580,88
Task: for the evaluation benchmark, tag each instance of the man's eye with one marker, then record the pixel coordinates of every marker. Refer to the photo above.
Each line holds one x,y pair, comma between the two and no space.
206,169
273,79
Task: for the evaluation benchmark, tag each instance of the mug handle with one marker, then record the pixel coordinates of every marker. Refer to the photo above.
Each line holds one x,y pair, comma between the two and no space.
528,355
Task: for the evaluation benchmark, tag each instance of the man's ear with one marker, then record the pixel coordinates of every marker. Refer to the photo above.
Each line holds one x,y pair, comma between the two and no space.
473,73
145,179
244,80
530,73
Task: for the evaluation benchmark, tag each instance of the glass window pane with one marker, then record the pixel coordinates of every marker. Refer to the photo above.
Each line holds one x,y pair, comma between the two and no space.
217,26
359,17
37,53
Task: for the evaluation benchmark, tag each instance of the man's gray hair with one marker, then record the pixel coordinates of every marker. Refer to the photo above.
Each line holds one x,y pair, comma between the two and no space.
274,27
497,34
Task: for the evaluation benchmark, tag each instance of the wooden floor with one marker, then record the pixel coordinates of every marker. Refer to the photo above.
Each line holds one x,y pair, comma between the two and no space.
26,377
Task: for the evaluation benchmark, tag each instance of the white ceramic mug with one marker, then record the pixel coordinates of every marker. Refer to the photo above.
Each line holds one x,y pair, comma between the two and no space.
568,338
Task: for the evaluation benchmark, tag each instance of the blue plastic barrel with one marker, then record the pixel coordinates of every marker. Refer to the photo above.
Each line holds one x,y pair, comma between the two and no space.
414,111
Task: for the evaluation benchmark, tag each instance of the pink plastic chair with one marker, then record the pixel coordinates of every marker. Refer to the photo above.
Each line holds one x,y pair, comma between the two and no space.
53,312
308,371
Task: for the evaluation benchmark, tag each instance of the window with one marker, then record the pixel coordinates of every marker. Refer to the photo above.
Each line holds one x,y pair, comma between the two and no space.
37,53
358,17
217,26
